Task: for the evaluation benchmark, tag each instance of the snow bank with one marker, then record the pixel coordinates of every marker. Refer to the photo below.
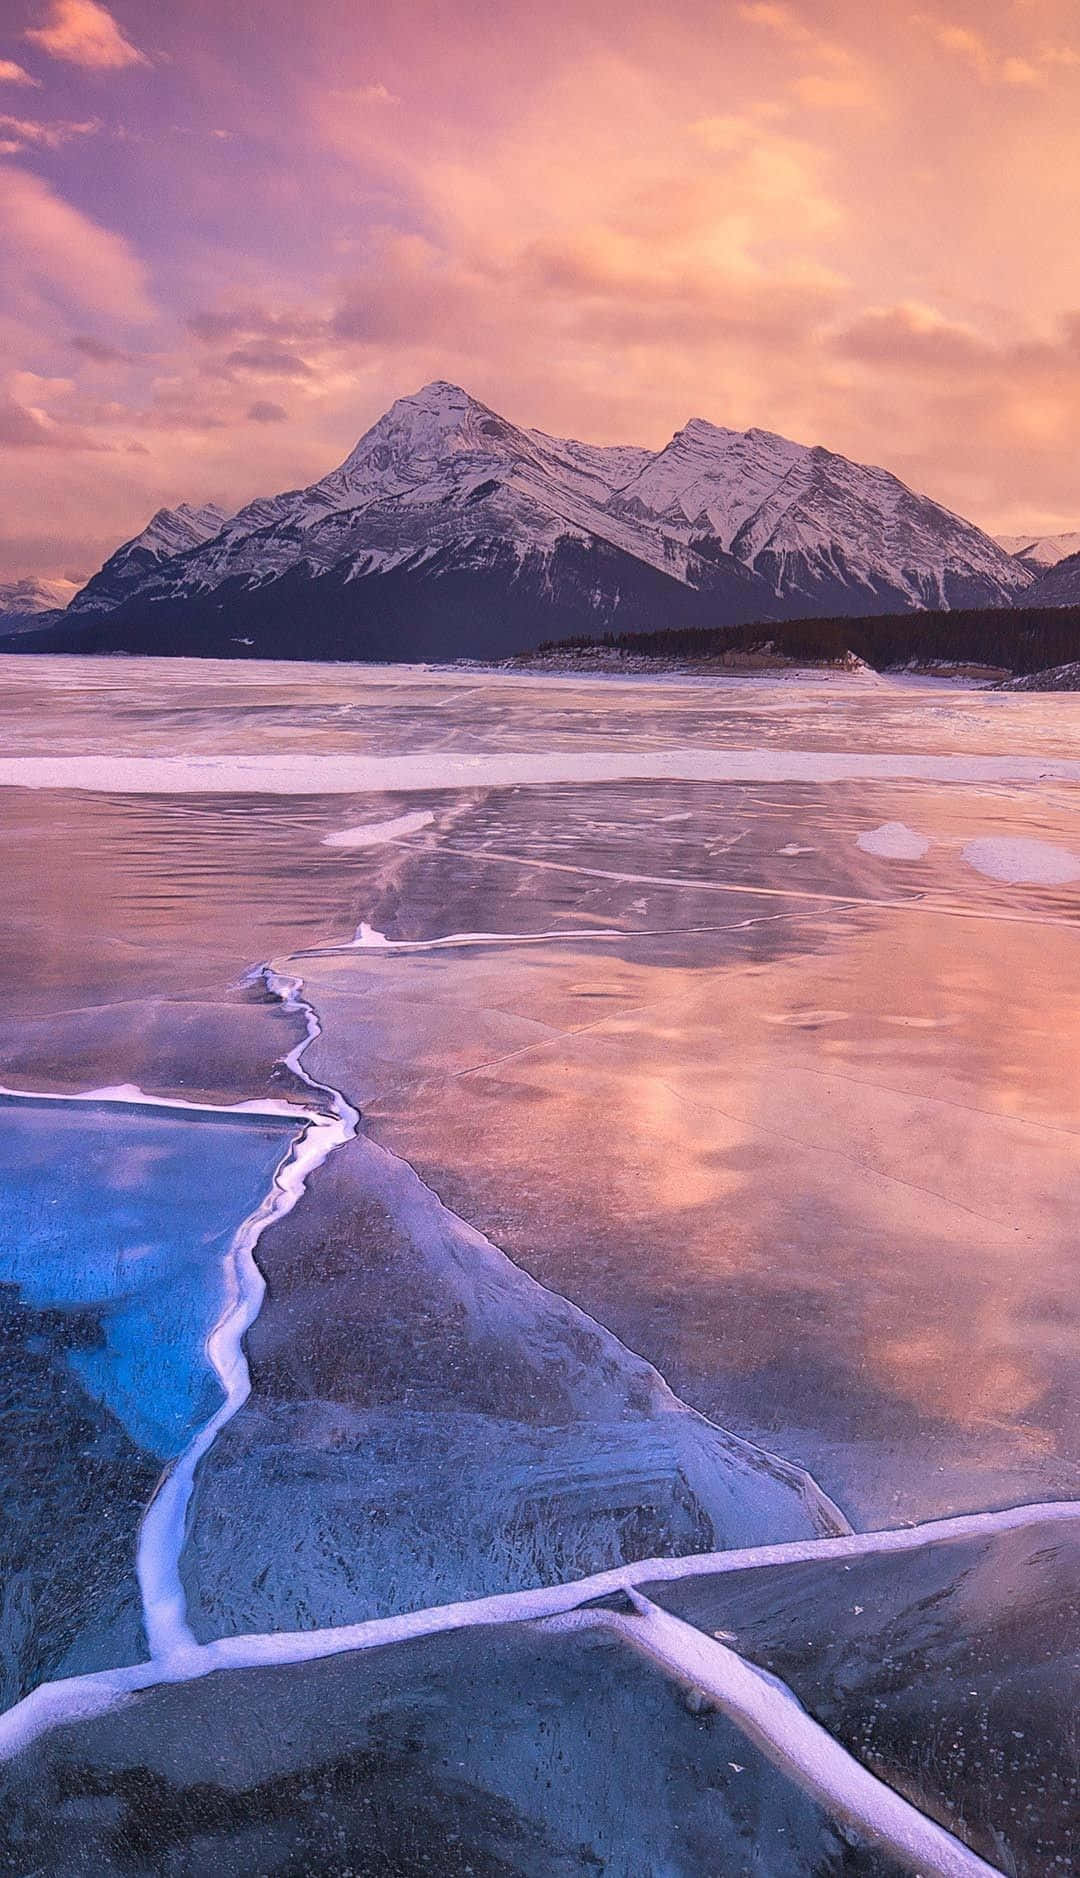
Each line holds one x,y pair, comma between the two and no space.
289,773
893,842
375,834
1021,861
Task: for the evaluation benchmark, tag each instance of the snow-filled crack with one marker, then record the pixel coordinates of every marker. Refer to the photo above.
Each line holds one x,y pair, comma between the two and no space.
80,1698
164,1525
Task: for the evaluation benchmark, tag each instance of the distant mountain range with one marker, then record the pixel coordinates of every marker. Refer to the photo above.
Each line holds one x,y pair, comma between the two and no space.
25,604
1040,551
450,532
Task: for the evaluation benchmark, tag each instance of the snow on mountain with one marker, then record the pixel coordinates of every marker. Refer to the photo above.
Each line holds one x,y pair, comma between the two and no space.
1039,551
449,530
439,472
24,599
708,480
443,445
167,534
811,522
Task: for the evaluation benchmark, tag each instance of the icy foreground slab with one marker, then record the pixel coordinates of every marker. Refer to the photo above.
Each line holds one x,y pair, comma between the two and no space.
784,1128
951,1669
490,1753
428,1423
115,1224
124,1215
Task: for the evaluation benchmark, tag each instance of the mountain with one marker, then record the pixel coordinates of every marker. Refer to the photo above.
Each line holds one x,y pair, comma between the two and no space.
25,604
449,531
825,535
1040,551
1059,585
169,533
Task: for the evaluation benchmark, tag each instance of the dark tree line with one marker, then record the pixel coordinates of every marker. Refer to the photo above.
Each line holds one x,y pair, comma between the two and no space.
1018,639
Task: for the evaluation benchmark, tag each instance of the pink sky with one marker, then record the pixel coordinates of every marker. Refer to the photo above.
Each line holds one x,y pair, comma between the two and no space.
231,240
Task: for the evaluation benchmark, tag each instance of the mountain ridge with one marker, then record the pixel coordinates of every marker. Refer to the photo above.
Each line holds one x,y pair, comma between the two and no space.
448,530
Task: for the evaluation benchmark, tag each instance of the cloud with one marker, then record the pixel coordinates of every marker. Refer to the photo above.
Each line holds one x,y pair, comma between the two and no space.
264,412
24,428
19,429
618,298
252,321
99,352
14,74
54,253
411,287
912,335
988,423
994,66
914,338
834,78
21,133
374,94
275,361
84,33
779,19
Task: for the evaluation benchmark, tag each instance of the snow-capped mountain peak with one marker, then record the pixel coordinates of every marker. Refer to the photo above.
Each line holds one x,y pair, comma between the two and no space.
417,436
170,531
712,480
808,520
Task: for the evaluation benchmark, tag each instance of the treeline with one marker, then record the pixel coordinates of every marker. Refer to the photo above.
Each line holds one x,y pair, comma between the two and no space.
1018,639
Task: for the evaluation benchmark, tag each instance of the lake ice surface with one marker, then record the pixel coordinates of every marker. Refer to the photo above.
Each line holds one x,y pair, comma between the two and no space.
787,1114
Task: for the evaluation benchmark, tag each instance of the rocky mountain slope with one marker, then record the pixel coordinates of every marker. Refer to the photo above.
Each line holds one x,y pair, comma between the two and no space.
1059,585
449,531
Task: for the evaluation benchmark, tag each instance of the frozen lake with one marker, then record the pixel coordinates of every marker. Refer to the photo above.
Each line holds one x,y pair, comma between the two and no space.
715,1187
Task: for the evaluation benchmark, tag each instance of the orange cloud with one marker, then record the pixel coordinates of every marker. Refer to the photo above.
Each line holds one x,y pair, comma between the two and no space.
1029,68
912,335
834,77
84,33
13,74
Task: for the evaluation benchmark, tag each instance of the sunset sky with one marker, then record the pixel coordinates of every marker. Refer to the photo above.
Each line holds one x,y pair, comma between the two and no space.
233,234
